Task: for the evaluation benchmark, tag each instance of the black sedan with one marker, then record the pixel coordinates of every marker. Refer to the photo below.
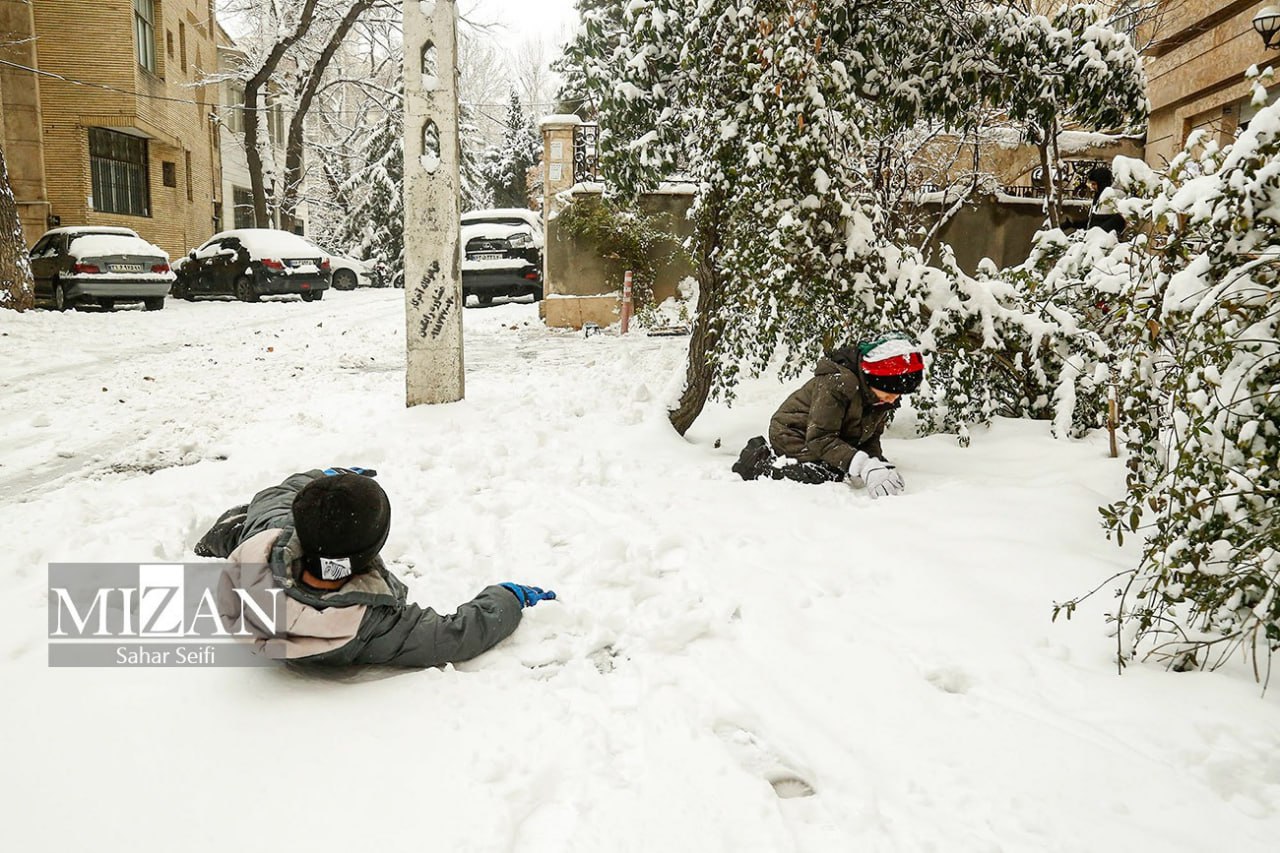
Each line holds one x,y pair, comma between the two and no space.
249,263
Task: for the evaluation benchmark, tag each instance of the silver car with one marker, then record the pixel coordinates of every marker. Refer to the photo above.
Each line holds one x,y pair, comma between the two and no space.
99,266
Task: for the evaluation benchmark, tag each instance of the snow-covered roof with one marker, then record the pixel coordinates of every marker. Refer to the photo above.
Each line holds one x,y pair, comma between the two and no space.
270,242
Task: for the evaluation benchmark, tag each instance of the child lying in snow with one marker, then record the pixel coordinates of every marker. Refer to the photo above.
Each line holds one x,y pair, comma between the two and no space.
316,537
831,427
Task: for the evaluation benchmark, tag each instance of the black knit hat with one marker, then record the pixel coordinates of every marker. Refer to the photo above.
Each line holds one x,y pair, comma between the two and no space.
343,516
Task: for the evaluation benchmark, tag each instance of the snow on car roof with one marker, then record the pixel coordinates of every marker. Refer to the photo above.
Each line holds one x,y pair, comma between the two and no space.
94,244
530,216
270,241
92,229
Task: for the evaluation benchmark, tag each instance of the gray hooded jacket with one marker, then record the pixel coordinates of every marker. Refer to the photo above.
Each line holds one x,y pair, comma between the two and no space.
366,621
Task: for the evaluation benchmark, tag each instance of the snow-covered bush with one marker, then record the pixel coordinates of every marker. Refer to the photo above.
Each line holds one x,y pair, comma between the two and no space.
630,238
1024,342
1202,408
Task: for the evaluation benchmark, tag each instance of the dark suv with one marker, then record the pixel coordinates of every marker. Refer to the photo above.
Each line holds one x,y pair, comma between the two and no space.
502,254
252,262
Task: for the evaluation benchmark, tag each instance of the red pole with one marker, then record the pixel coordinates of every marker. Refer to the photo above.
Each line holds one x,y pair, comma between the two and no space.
626,302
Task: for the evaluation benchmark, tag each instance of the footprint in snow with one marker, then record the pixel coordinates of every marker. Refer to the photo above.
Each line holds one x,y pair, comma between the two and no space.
758,758
950,679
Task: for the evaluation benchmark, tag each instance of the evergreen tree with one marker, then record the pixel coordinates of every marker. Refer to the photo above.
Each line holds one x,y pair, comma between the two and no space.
473,169
767,107
373,225
507,165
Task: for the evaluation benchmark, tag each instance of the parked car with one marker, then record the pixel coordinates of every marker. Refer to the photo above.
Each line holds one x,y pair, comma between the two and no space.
349,273
94,265
502,254
249,263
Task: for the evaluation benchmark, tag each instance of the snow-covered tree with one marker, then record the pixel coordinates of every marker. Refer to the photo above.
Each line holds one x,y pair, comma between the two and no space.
288,51
16,286
373,226
1069,70
507,163
770,107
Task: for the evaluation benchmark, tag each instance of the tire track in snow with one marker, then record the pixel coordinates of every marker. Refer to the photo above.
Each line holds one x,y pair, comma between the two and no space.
75,390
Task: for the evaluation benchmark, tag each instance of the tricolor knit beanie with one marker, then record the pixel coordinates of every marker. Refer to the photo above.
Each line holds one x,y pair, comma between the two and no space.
892,363
344,517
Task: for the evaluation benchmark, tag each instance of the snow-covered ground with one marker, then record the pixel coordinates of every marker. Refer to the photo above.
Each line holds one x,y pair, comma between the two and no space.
718,647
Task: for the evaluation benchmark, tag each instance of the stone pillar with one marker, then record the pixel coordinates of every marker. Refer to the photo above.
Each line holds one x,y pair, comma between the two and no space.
432,272
557,176
557,158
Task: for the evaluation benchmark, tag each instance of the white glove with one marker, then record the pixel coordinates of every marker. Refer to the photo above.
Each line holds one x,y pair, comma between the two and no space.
878,476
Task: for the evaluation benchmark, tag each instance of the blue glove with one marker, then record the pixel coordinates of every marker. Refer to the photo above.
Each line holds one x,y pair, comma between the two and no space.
529,595
333,472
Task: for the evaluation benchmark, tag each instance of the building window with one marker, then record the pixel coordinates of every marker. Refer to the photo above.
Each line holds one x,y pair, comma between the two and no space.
144,29
235,107
275,121
190,186
169,173
182,45
243,200
118,167
168,42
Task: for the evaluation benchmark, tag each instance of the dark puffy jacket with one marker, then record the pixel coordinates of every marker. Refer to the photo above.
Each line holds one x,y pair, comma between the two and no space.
832,416
366,621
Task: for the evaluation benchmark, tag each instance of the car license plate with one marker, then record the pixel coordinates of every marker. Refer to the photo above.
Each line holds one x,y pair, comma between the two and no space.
126,267
487,256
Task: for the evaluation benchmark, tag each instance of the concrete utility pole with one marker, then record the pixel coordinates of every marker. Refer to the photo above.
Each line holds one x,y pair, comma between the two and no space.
432,278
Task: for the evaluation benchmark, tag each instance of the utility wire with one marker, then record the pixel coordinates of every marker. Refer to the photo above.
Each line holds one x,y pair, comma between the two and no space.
210,104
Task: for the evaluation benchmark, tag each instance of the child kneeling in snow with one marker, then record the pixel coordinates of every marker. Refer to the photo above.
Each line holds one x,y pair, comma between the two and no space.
830,429
316,538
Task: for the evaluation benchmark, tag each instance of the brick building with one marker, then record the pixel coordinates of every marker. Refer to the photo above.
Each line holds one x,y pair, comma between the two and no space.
132,142
1195,68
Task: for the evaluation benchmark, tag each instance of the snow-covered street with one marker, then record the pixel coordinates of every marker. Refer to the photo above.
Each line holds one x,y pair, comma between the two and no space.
730,666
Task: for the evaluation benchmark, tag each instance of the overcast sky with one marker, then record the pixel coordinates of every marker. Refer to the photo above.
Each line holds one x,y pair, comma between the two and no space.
508,22
513,20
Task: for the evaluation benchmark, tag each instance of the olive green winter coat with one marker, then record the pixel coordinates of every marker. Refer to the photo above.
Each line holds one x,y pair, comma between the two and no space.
831,417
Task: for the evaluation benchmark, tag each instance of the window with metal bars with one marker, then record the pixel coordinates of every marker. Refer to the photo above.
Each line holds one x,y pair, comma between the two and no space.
243,201
144,30
118,168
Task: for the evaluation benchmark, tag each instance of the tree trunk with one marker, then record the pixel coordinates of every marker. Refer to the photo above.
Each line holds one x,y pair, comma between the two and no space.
253,87
16,287
700,372
1048,146
253,159
293,151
